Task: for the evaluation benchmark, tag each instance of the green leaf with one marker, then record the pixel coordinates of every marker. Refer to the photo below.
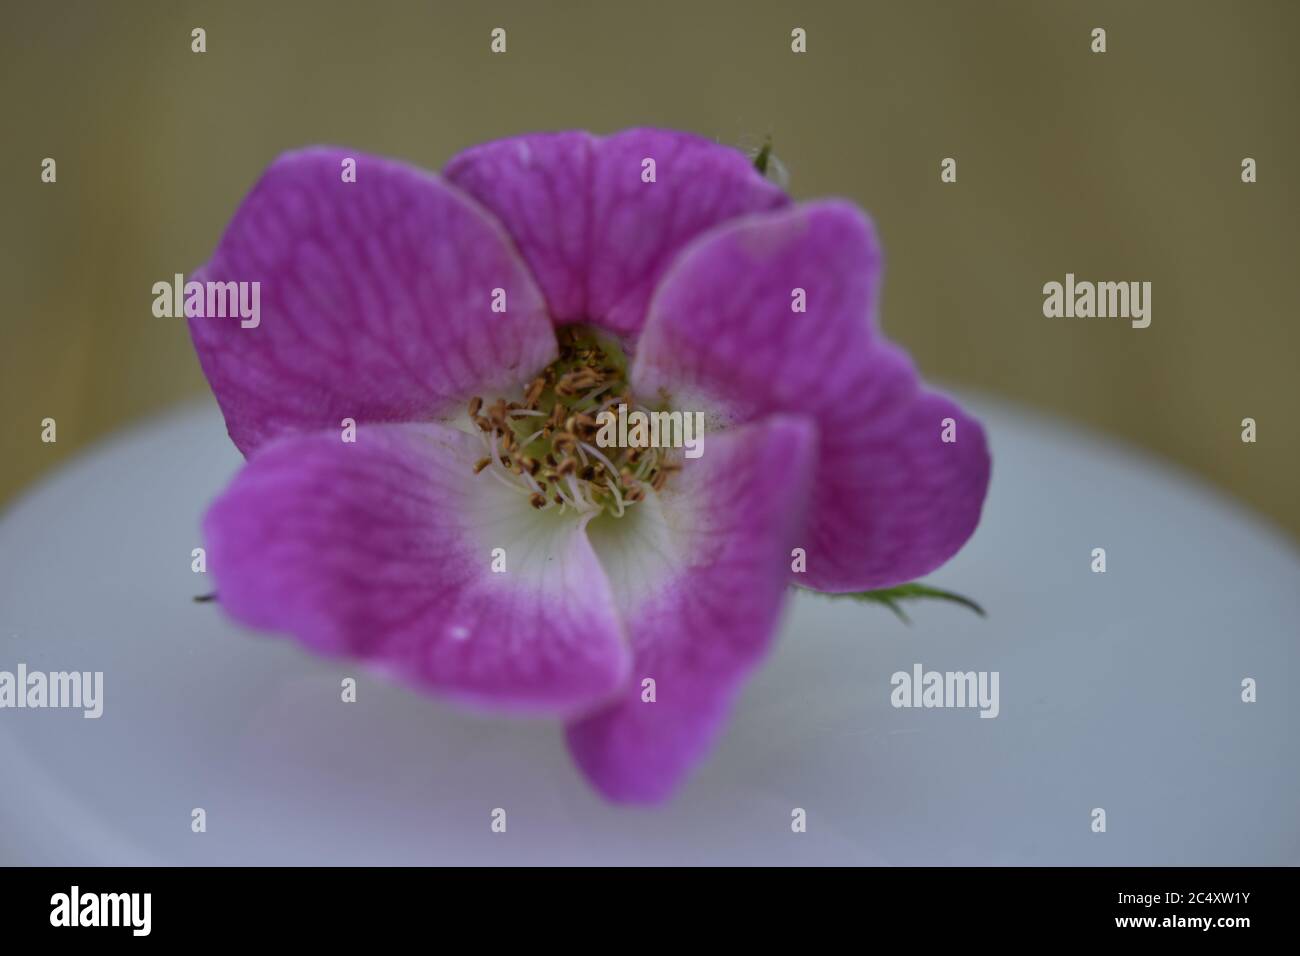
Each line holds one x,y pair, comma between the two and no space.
764,154
890,597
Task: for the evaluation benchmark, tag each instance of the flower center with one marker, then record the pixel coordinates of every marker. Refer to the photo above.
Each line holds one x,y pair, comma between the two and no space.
544,445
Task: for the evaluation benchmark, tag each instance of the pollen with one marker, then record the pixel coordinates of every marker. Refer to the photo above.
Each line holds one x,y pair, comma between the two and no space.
543,444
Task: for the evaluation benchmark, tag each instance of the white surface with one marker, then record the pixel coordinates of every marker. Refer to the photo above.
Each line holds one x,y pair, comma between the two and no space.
1118,690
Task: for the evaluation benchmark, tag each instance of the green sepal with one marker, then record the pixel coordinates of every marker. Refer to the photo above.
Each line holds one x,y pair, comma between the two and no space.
890,597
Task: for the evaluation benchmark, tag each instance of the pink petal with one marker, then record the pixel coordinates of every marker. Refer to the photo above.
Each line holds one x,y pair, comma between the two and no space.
892,501
382,550
596,236
537,186
700,575
376,301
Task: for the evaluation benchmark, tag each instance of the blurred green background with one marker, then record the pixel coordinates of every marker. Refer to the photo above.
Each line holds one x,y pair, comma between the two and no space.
1119,166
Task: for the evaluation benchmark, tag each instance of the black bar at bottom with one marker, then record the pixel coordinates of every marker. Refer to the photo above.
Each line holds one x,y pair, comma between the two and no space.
213,905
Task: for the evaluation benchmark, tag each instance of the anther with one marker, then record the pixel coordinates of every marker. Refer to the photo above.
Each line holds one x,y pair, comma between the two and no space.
534,392
554,416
